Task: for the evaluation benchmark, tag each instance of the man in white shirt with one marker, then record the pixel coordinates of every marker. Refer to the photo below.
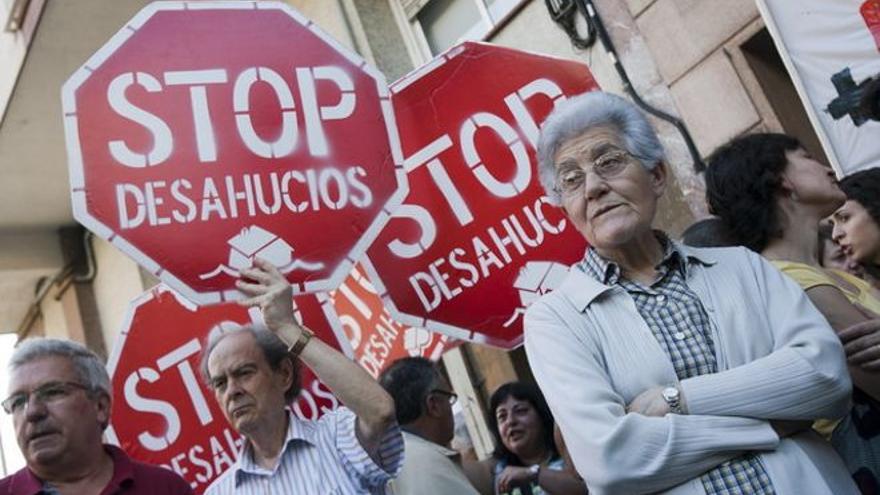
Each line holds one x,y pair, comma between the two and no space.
423,401
254,374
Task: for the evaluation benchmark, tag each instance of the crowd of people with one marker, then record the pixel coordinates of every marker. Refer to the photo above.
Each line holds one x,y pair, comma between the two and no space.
743,359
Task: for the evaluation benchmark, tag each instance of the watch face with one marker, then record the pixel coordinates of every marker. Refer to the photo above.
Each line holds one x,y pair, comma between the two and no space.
670,394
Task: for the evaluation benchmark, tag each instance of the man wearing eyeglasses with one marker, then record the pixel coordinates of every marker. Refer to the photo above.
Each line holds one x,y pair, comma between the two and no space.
59,399
423,401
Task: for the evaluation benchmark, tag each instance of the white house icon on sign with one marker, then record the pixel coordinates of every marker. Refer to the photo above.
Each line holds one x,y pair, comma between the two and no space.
535,279
254,242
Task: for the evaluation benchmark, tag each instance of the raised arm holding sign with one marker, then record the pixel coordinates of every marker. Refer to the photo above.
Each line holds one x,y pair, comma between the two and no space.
252,370
349,382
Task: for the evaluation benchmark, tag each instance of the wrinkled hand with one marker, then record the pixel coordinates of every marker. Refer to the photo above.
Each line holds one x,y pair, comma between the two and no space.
649,403
264,286
513,476
862,344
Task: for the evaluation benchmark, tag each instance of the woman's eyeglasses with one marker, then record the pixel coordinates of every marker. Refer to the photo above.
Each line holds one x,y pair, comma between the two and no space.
571,179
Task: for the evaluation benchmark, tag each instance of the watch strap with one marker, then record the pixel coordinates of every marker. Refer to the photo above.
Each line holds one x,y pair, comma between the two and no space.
304,337
536,472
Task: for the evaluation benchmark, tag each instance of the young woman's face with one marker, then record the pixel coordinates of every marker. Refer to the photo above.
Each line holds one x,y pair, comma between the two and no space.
857,234
833,256
519,426
812,182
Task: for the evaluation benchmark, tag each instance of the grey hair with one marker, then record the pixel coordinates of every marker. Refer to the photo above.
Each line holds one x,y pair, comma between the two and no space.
577,115
88,365
274,350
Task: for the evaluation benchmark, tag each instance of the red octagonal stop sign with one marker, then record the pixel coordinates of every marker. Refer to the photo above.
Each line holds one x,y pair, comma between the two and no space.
476,240
163,413
205,134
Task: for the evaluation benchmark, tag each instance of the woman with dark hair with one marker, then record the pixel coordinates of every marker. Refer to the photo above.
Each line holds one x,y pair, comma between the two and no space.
526,460
771,196
831,255
857,222
708,232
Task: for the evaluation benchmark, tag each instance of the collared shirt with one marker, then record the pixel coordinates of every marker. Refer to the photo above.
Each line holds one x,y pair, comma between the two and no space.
318,457
130,477
682,328
430,468
592,353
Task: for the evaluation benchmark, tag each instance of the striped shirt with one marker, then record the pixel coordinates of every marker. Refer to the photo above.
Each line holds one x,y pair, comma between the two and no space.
318,457
681,326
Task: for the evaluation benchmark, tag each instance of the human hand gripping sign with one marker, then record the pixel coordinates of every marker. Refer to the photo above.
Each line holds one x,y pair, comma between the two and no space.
266,287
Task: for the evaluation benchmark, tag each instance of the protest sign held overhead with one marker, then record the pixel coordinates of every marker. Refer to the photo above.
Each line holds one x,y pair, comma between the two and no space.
476,240
264,137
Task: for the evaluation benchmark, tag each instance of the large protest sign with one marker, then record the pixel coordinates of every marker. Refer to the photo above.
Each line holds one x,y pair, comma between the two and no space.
204,134
376,339
163,413
476,240
831,50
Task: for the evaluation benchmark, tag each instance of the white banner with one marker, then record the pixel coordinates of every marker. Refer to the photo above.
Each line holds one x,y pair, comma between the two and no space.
831,48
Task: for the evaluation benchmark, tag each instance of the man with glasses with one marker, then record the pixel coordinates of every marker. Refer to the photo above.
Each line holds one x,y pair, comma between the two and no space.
59,399
423,401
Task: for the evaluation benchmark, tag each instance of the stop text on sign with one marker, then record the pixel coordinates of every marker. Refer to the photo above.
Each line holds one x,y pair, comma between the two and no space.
199,81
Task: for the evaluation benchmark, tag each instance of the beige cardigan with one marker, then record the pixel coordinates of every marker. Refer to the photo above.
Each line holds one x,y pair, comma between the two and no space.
592,353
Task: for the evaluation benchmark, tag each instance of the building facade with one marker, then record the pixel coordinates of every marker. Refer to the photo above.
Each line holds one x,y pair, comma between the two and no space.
710,63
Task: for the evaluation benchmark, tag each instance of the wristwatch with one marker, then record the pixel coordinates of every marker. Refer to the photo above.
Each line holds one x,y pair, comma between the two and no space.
535,469
672,396
296,349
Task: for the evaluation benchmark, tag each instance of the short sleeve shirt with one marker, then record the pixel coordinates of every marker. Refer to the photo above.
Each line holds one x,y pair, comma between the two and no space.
856,290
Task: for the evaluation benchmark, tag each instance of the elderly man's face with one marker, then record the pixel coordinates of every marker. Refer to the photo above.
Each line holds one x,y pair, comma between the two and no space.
59,420
609,211
248,390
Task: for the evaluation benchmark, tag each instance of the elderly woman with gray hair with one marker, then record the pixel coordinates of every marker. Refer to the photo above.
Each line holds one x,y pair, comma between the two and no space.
673,369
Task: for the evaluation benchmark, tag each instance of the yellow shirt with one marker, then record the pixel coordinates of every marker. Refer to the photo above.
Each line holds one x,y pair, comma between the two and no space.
855,289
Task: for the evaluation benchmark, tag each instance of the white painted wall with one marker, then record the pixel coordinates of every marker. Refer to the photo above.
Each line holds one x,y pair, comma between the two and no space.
54,319
116,283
